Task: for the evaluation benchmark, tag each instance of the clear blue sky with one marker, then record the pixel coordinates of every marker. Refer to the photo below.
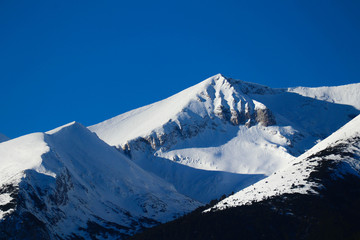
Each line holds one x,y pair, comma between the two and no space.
87,61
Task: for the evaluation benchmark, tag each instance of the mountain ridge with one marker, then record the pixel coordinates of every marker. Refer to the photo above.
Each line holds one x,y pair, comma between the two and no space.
75,182
332,94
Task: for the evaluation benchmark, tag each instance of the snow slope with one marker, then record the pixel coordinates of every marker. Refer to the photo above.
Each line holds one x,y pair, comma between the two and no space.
70,181
198,184
346,94
295,177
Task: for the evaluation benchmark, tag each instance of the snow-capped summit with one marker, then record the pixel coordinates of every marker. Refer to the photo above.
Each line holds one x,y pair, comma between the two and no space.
213,126
227,125
157,162
222,125
215,97
68,183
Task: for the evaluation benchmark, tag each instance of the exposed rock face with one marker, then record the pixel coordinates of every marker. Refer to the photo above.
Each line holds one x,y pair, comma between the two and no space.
162,139
265,117
261,116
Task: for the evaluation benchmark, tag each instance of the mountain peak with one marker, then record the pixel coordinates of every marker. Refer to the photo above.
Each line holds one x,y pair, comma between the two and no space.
219,76
239,86
71,125
216,98
218,112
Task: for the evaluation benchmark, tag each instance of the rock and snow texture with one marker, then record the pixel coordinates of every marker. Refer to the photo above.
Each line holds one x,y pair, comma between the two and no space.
214,97
296,177
3,138
218,136
212,126
68,182
346,94
224,124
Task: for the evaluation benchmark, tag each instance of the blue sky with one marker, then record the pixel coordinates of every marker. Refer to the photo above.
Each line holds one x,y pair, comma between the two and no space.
87,61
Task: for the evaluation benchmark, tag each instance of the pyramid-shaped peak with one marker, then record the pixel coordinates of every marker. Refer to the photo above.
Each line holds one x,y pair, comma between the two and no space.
218,79
216,98
72,125
219,76
222,81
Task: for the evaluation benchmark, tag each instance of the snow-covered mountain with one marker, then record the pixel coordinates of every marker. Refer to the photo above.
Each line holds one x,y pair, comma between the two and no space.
67,183
155,163
223,124
316,197
3,138
202,125
342,148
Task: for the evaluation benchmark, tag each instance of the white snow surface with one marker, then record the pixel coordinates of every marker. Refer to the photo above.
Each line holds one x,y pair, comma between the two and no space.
20,154
255,150
291,179
96,181
346,94
198,184
16,156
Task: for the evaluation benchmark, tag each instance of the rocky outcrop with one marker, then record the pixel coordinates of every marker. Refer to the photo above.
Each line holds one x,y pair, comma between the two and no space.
265,117
161,138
